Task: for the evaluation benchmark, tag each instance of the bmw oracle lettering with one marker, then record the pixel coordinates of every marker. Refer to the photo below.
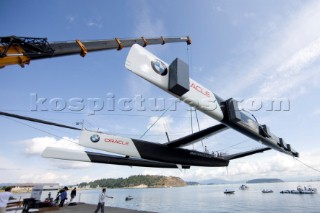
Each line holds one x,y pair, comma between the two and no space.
111,140
159,67
94,138
200,89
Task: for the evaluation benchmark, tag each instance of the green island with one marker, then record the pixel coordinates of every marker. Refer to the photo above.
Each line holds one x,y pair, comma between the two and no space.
136,181
265,180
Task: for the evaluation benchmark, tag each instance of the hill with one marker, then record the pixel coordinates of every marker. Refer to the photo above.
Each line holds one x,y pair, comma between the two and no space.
265,180
191,183
214,181
136,181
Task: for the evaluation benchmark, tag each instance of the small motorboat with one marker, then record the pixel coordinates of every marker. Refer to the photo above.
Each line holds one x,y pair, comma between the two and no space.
267,191
129,198
244,187
227,191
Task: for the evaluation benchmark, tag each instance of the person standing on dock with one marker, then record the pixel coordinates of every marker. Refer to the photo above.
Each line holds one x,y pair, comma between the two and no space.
73,194
101,202
63,196
4,198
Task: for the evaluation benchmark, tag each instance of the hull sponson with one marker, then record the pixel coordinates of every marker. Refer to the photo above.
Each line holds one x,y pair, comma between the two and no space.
117,160
93,157
160,152
140,61
109,143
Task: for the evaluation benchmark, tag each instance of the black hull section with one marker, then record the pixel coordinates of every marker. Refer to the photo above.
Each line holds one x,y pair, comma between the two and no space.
161,152
118,160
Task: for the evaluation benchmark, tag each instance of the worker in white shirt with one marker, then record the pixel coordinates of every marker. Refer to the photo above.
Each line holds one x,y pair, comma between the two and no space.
102,197
4,198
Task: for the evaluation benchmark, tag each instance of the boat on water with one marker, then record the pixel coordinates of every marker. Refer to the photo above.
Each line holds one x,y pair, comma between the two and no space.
228,191
244,187
267,191
129,198
300,190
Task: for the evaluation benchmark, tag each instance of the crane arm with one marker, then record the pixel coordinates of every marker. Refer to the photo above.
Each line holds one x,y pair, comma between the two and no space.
21,50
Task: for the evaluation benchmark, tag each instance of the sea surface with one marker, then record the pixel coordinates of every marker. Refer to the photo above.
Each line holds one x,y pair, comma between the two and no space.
210,198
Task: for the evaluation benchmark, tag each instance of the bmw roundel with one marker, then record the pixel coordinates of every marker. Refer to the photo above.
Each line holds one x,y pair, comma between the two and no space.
159,67
95,138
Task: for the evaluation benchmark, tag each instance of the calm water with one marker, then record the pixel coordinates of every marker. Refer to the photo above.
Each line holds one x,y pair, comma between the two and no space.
211,198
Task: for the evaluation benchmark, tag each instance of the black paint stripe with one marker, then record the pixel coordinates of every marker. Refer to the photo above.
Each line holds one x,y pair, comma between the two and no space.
118,160
162,153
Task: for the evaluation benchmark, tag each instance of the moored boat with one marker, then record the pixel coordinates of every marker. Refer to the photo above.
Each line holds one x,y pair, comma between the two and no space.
227,191
129,198
300,190
243,187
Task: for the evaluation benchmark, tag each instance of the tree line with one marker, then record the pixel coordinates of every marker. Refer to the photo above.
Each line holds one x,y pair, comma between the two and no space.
135,180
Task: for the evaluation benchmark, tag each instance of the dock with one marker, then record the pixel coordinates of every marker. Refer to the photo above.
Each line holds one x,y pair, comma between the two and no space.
85,208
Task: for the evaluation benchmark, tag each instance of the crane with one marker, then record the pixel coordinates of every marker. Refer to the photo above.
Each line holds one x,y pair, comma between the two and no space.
21,50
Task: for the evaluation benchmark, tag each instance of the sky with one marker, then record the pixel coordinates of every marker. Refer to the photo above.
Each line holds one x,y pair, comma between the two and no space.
248,50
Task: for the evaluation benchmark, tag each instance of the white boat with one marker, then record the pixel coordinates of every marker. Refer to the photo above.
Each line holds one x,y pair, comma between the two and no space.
267,191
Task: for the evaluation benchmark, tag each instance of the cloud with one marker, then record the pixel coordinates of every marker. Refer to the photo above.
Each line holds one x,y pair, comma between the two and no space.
147,24
317,112
219,9
292,73
282,58
94,22
71,19
6,164
278,166
163,124
249,15
44,177
198,69
35,146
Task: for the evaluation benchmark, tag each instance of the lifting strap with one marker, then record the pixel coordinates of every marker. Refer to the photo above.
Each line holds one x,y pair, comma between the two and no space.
145,43
120,46
84,50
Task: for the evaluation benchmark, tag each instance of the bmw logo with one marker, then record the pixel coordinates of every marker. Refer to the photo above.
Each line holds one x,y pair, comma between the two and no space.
95,138
159,67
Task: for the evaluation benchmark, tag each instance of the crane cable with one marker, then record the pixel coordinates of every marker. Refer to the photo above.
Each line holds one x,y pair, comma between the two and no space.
38,120
157,120
195,110
317,170
191,125
41,130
